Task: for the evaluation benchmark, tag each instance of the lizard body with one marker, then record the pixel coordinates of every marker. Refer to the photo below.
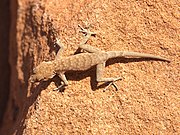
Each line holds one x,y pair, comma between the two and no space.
85,61
82,61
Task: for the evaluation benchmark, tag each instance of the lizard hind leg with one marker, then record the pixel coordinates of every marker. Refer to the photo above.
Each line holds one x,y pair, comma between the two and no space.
99,78
83,44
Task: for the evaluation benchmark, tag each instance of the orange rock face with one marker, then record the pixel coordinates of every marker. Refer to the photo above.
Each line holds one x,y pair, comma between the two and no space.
148,96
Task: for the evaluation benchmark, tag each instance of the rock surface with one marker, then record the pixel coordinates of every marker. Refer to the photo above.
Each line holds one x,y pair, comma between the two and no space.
147,101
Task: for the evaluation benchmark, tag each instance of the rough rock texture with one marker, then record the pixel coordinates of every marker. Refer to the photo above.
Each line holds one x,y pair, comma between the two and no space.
147,101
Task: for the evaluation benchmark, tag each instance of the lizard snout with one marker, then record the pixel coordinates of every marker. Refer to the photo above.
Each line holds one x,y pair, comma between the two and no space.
32,79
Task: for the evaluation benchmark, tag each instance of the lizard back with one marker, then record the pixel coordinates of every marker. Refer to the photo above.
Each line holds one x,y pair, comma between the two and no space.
82,61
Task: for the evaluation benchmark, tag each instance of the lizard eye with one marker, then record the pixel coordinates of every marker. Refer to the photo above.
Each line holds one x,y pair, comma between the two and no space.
34,71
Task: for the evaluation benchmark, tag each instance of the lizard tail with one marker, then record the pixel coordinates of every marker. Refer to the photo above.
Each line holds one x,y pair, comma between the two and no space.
114,54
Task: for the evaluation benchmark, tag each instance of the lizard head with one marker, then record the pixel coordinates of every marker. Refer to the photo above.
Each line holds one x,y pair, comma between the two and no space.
43,71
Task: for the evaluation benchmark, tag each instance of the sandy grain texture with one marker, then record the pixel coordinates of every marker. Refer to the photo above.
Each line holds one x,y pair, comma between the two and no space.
147,101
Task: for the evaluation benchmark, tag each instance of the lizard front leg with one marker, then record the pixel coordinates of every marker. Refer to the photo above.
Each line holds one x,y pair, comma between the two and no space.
64,83
61,49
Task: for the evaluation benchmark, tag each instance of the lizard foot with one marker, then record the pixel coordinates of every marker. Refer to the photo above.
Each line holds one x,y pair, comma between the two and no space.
86,31
113,83
60,88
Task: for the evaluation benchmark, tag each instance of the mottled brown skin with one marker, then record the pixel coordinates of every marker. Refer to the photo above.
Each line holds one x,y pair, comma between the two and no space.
83,61
79,62
43,71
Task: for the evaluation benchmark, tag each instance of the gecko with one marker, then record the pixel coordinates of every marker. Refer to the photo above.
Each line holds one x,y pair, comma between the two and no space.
83,61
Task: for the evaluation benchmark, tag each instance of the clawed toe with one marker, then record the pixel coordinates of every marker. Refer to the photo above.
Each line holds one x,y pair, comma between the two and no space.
86,31
113,83
59,88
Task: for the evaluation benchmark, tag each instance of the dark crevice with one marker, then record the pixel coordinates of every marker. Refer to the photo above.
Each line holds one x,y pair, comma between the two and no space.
4,56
